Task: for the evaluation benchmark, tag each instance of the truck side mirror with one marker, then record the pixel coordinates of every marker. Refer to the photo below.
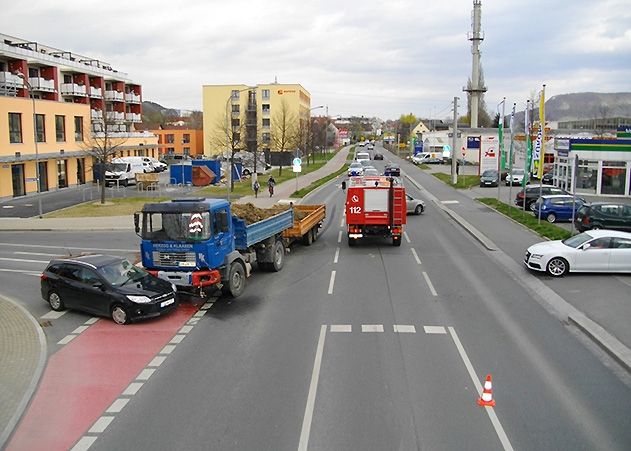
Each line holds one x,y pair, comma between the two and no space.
137,222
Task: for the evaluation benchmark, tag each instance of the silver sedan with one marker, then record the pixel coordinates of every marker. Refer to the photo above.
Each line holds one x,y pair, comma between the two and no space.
416,206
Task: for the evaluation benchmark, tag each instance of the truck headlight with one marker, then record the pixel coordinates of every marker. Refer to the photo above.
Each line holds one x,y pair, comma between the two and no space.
139,299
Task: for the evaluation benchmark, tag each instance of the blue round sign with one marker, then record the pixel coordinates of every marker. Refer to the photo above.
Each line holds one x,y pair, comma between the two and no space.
446,148
297,161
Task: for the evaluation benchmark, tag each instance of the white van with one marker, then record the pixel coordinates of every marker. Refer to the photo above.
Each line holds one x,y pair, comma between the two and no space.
145,161
362,156
158,166
123,172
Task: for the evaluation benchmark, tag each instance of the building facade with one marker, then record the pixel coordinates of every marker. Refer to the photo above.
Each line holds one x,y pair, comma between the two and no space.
176,140
252,111
53,103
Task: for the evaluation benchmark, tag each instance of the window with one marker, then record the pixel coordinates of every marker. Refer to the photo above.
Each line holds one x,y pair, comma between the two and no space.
235,108
170,150
60,128
234,94
266,137
609,210
614,175
15,128
62,173
236,122
67,78
186,138
600,243
40,128
78,128
170,138
265,108
186,150
33,72
265,94
621,243
266,123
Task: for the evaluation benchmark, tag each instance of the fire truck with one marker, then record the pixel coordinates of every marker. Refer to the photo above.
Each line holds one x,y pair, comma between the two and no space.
375,206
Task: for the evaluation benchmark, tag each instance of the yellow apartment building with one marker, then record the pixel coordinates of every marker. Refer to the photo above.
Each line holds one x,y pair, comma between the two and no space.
260,105
52,104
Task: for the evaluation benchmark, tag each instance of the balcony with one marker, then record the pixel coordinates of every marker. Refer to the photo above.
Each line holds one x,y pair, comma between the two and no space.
73,89
130,97
96,115
96,93
115,116
133,117
9,79
41,84
114,96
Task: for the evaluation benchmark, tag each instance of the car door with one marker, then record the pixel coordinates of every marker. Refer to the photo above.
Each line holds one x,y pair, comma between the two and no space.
625,221
68,287
594,257
620,258
92,292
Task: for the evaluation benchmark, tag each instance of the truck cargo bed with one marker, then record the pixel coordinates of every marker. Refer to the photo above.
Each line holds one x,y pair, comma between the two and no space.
315,214
248,235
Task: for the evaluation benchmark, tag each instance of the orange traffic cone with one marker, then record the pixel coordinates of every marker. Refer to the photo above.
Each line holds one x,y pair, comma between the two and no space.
487,393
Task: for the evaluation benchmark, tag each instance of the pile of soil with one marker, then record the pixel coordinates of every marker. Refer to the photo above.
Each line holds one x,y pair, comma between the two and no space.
252,214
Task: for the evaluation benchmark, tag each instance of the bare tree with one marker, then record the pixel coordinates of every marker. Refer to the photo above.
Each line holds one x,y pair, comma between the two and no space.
284,131
302,137
106,138
229,135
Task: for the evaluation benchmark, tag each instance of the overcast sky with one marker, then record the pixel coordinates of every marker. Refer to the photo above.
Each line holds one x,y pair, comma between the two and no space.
358,57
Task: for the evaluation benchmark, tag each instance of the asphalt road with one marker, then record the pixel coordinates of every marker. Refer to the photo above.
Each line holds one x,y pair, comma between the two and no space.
372,347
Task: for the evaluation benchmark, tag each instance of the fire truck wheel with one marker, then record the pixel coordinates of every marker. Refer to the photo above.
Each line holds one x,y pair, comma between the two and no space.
351,242
396,241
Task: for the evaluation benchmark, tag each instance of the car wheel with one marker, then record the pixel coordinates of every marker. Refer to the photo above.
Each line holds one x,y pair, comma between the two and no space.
55,301
596,227
246,172
236,280
125,183
119,314
314,232
551,217
418,210
532,207
558,267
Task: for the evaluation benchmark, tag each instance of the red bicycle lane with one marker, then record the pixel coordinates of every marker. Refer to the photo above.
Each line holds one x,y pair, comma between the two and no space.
83,378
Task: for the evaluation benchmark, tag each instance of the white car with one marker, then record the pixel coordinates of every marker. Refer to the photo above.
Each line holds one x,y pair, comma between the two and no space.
516,177
362,156
591,251
355,169
421,158
415,206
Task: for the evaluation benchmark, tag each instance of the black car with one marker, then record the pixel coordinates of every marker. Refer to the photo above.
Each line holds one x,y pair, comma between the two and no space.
547,178
106,286
604,215
378,156
392,170
532,193
490,177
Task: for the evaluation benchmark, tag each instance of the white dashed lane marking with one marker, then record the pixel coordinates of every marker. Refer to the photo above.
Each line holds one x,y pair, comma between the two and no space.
339,237
449,202
418,260
341,328
145,374
405,329
337,255
117,405
429,284
372,327
168,349
101,424
84,444
407,238
67,339
434,330
53,314
331,282
132,388
157,360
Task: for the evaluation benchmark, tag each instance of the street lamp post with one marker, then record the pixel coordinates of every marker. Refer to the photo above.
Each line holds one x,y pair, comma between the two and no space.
30,92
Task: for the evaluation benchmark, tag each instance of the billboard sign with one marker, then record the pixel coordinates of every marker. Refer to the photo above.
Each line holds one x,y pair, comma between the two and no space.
489,153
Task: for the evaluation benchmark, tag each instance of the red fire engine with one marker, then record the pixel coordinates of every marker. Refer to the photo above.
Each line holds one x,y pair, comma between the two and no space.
375,206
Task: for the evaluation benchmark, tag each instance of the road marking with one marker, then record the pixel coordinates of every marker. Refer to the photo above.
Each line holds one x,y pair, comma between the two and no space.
185,329
313,387
434,330
92,320
133,388
418,260
372,327
449,202
207,305
53,314
177,339
407,238
7,206
476,381
337,255
341,328
331,282
157,360
36,253
168,349
199,313
79,329
22,260
339,237
193,321
68,247
342,222
429,284
84,444
67,339
145,374
101,424
117,405
404,329
22,271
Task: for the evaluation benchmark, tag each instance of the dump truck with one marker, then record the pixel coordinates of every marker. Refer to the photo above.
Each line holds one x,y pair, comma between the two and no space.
375,205
198,244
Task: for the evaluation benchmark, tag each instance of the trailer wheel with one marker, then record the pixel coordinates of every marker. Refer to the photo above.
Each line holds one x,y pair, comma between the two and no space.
314,231
396,241
307,238
278,257
236,280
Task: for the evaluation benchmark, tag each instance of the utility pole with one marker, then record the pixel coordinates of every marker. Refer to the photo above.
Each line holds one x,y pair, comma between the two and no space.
454,158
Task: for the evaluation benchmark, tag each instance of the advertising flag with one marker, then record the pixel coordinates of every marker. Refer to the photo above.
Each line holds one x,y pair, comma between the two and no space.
542,130
528,145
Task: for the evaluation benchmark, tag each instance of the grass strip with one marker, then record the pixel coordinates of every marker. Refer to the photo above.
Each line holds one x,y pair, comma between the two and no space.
464,181
527,219
112,207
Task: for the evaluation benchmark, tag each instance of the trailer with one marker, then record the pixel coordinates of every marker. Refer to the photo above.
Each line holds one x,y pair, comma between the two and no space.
375,206
307,221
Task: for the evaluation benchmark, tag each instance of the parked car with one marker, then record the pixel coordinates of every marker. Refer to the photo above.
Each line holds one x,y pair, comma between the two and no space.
604,215
416,206
532,193
421,158
547,178
355,169
392,169
557,207
378,156
516,177
490,177
593,251
106,286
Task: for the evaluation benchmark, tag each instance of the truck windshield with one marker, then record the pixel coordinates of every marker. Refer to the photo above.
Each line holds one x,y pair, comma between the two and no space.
176,226
117,167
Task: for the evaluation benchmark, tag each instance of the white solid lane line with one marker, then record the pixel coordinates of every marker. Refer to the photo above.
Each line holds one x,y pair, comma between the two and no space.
429,284
38,253
476,381
63,248
313,387
331,282
339,237
23,260
337,255
418,260
22,271
407,238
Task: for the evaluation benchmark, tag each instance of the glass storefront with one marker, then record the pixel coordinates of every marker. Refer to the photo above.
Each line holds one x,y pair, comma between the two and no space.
614,176
587,177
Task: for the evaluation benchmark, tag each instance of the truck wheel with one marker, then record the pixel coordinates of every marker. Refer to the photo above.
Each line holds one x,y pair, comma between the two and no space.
307,238
278,257
351,242
236,280
314,231
396,241
125,182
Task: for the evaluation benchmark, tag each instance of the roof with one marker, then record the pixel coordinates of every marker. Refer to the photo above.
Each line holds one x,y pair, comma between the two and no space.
373,181
93,260
605,233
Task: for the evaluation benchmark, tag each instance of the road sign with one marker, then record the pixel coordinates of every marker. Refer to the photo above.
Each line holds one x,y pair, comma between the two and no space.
446,148
297,162
297,168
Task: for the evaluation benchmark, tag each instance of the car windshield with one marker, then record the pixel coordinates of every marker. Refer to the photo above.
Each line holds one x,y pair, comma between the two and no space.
577,240
489,173
121,273
356,165
518,172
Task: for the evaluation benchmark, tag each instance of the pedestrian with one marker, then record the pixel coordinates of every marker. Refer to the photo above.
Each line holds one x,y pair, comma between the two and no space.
457,167
256,186
270,185
343,185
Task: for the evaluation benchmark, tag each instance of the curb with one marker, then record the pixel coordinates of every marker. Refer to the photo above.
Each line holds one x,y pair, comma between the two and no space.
4,436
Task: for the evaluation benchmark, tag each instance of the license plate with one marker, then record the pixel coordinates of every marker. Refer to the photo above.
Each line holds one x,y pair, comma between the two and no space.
487,183
167,302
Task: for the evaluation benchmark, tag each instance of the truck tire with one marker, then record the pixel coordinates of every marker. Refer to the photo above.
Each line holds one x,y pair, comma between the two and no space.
351,242
235,285
307,238
278,257
396,241
315,234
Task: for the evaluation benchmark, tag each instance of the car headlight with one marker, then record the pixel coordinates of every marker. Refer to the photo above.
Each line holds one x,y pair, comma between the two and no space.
536,256
139,299
173,287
